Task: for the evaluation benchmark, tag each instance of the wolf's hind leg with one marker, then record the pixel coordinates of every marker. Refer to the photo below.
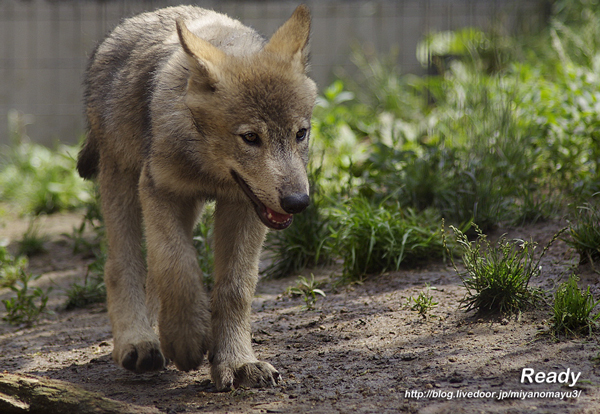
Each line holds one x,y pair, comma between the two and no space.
136,345
239,236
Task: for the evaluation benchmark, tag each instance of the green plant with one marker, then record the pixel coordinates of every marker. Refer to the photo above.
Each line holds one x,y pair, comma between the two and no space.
469,155
497,276
572,309
32,242
576,23
28,304
308,289
562,85
10,267
507,132
382,91
533,208
93,290
203,234
36,178
374,238
336,137
584,232
92,220
487,52
422,303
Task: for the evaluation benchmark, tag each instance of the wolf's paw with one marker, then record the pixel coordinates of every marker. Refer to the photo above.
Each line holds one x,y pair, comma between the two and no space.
186,356
249,375
141,357
185,339
185,351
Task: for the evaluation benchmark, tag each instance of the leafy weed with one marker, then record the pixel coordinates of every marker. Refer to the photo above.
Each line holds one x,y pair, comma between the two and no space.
423,303
309,290
28,304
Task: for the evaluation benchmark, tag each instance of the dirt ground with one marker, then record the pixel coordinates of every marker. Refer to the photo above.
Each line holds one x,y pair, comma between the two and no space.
362,350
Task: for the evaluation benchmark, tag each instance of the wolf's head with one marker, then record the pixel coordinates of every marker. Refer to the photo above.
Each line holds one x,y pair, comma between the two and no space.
252,111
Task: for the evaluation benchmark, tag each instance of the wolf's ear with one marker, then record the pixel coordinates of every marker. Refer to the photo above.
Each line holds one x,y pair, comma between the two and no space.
291,39
204,54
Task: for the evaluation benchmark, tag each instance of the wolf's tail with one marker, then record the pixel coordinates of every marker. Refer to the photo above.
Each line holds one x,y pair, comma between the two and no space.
88,159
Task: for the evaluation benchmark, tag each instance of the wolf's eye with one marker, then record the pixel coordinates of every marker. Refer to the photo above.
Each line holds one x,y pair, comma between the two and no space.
301,134
250,137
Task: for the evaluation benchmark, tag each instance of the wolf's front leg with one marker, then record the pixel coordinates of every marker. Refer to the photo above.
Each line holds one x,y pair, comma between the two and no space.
174,277
239,236
136,346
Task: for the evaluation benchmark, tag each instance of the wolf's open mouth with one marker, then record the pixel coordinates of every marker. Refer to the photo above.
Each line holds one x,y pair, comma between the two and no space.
269,217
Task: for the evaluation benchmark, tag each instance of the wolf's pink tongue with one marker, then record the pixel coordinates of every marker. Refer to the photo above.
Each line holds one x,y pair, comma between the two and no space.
277,217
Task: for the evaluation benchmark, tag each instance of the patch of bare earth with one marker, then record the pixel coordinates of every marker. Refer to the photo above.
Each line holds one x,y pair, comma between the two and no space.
361,351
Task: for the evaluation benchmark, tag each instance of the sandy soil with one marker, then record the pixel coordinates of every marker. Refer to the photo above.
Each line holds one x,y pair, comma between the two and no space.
362,350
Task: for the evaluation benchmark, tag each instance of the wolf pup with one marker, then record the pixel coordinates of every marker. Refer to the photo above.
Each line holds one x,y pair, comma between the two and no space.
186,105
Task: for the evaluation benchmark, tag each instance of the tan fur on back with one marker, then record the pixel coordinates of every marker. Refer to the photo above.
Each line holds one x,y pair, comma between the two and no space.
186,105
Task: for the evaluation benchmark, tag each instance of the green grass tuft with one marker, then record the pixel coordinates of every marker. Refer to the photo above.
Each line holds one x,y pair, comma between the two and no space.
584,232
497,276
572,310
32,242
375,238
93,290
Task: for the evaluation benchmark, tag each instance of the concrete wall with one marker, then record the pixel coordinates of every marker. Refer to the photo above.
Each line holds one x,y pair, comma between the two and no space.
44,45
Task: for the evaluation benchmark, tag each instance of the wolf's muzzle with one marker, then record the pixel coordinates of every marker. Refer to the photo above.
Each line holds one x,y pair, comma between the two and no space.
270,218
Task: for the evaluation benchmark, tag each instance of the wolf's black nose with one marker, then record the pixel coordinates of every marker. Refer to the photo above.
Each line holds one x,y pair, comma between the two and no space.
295,203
